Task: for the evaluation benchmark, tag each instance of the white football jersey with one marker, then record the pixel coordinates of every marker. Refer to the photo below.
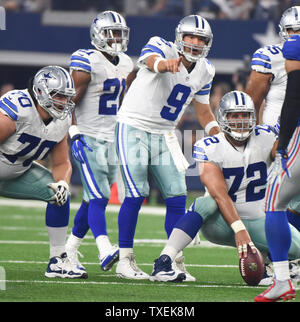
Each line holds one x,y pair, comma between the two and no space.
96,112
244,168
155,102
269,59
32,140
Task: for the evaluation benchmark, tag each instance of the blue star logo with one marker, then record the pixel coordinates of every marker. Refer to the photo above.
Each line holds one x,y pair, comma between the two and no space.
47,76
95,20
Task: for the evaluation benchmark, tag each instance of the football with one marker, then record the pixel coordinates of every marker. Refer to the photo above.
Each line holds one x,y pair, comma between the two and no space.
252,267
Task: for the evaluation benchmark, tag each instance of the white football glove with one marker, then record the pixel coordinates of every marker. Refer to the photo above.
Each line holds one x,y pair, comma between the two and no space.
61,192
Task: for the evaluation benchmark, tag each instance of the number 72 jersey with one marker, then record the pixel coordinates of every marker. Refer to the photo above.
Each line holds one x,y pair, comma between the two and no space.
245,170
32,140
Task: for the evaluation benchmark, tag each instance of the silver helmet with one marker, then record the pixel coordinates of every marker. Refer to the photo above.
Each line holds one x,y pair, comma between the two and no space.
102,33
193,25
290,20
233,102
49,82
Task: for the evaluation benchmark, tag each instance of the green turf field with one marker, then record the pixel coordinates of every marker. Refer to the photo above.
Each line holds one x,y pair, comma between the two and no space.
24,253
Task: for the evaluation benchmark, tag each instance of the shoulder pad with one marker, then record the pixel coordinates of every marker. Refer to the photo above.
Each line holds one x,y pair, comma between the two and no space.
291,48
80,60
204,147
13,102
261,61
156,45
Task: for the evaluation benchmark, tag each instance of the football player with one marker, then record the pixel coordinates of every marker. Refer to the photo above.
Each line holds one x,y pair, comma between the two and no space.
100,77
233,167
267,82
284,184
171,76
34,123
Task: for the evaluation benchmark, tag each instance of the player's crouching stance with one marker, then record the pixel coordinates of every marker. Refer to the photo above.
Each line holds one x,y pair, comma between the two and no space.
233,167
34,123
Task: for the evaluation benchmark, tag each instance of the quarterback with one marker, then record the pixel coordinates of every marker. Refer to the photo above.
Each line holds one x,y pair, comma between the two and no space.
34,123
100,77
171,76
233,167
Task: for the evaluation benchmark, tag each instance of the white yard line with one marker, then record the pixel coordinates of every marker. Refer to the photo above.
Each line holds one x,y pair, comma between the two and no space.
147,210
132,284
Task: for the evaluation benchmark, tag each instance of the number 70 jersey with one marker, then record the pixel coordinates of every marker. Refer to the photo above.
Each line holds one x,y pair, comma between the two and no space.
32,140
245,170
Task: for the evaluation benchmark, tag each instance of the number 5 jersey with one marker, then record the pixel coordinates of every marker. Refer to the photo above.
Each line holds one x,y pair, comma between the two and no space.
32,140
155,102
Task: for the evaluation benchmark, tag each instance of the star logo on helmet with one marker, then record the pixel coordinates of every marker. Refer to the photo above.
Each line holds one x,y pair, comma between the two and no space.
95,20
47,76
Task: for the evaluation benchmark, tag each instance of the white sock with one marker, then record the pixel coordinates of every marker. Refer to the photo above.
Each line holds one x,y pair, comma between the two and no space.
178,240
73,242
281,270
123,252
103,244
57,239
170,251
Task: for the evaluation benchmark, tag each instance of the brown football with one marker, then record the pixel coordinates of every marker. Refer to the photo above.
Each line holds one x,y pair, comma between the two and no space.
252,267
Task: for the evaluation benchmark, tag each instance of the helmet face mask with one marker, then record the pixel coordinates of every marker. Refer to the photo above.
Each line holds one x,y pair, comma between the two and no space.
53,89
196,26
290,20
109,33
236,115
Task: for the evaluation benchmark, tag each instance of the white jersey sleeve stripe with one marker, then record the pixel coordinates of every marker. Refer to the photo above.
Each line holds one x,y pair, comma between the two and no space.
150,48
8,111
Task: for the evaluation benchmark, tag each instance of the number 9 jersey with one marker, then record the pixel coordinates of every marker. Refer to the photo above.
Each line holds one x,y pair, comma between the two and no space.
32,140
156,101
245,168
97,110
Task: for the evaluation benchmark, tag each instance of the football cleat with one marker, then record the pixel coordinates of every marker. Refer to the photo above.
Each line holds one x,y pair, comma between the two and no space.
127,268
294,267
107,260
267,278
60,266
72,254
178,265
163,271
279,290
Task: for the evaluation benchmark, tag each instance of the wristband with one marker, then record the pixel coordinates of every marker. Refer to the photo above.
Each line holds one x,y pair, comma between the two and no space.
73,131
237,226
155,65
210,125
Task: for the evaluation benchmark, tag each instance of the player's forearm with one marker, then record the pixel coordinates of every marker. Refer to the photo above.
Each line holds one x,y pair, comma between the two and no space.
227,208
207,119
62,171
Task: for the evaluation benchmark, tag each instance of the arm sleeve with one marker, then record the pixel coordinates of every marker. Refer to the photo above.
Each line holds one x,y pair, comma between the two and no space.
290,112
